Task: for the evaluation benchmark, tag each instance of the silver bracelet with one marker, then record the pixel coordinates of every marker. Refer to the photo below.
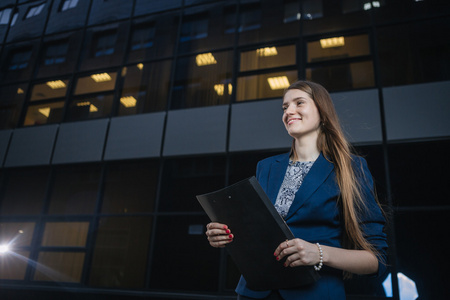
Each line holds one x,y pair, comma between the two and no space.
319,266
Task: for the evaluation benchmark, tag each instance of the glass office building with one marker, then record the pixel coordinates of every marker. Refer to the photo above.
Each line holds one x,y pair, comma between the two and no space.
115,114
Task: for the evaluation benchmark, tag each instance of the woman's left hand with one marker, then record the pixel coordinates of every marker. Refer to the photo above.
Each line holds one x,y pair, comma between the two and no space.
297,253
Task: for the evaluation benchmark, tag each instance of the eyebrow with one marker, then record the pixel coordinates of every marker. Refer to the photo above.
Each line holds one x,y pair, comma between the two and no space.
295,99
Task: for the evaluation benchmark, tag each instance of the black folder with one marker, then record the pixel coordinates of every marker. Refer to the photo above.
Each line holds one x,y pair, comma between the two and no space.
258,229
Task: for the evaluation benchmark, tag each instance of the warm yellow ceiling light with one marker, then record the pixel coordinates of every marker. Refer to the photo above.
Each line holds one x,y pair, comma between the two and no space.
128,101
57,84
220,89
92,107
101,77
45,111
140,66
267,51
205,59
20,91
278,83
332,42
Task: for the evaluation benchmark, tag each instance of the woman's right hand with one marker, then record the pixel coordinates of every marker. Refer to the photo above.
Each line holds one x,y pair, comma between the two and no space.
218,234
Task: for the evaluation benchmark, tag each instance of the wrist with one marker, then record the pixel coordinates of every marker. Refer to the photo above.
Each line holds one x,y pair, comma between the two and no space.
319,265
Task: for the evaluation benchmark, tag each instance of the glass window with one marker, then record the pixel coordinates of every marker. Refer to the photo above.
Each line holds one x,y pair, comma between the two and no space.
11,103
145,88
338,47
47,113
121,252
56,53
104,44
13,265
130,188
268,57
94,83
153,37
268,85
91,107
194,272
268,20
5,15
75,190
16,234
51,89
67,4
346,76
191,177
425,186
19,59
34,11
65,234
24,191
416,52
59,266
208,27
203,80
430,275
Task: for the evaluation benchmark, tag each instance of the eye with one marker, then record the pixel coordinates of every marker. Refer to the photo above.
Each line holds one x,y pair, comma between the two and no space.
300,102
284,107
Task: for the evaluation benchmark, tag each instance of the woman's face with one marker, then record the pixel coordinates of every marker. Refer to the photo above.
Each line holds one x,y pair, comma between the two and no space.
301,116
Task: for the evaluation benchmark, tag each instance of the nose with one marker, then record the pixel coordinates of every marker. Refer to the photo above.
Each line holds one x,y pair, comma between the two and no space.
290,109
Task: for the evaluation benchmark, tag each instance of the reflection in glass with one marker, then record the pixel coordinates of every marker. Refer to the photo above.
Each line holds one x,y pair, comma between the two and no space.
104,44
51,89
74,190
268,57
44,114
120,254
269,85
59,266
19,59
91,107
56,53
339,47
16,234
24,191
13,265
98,82
343,76
145,88
199,80
130,188
11,103
65,234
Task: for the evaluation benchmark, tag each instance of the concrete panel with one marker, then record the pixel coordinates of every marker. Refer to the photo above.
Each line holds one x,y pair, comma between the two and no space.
31,146
196,131
137,136
80,142
5,135
417,111
359,114
258,125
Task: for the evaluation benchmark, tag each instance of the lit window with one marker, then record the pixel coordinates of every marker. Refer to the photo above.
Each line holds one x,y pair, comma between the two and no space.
68,4
5,15
34,11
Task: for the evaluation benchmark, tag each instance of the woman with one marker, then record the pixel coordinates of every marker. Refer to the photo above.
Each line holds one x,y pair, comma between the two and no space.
325,194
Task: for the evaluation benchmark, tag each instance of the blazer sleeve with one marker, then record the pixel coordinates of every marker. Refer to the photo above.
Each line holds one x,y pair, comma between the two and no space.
372,219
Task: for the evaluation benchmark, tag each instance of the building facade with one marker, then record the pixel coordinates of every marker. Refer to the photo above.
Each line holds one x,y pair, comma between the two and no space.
115,114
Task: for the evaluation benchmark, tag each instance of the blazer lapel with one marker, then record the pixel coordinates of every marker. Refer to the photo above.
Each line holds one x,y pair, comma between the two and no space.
318,173
276,176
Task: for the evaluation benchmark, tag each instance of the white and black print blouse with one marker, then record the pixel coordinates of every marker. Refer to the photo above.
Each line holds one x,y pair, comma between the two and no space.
295,173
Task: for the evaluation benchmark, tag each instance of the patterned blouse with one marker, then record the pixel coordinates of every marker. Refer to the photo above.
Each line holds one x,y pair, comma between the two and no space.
295,173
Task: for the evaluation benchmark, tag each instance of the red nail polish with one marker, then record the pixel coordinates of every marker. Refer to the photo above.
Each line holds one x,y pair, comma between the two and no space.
228,231
225,227
278,258
230,236
274,254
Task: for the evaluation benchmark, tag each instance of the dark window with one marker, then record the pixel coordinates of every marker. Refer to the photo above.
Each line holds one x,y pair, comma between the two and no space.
143,38
104,44
56,53
19,60
11,103
194,30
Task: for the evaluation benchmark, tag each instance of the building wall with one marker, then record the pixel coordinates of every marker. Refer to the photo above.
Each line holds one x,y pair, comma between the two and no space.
97,195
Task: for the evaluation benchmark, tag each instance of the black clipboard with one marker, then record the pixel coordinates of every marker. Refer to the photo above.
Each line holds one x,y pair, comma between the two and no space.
258,229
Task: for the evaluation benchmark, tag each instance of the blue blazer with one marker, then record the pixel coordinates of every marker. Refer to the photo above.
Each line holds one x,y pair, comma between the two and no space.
315,216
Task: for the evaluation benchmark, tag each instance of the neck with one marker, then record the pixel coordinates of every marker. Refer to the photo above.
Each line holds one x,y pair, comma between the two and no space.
306,149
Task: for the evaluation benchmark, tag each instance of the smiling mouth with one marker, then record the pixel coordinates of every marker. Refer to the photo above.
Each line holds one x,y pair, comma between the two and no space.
290,121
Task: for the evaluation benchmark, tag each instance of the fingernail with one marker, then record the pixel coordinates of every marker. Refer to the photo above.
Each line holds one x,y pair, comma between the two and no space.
225,227
274,254
278,258
228,231
230,236
285,264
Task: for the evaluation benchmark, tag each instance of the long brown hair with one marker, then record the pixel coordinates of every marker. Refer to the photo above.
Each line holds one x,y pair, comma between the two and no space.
335,147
